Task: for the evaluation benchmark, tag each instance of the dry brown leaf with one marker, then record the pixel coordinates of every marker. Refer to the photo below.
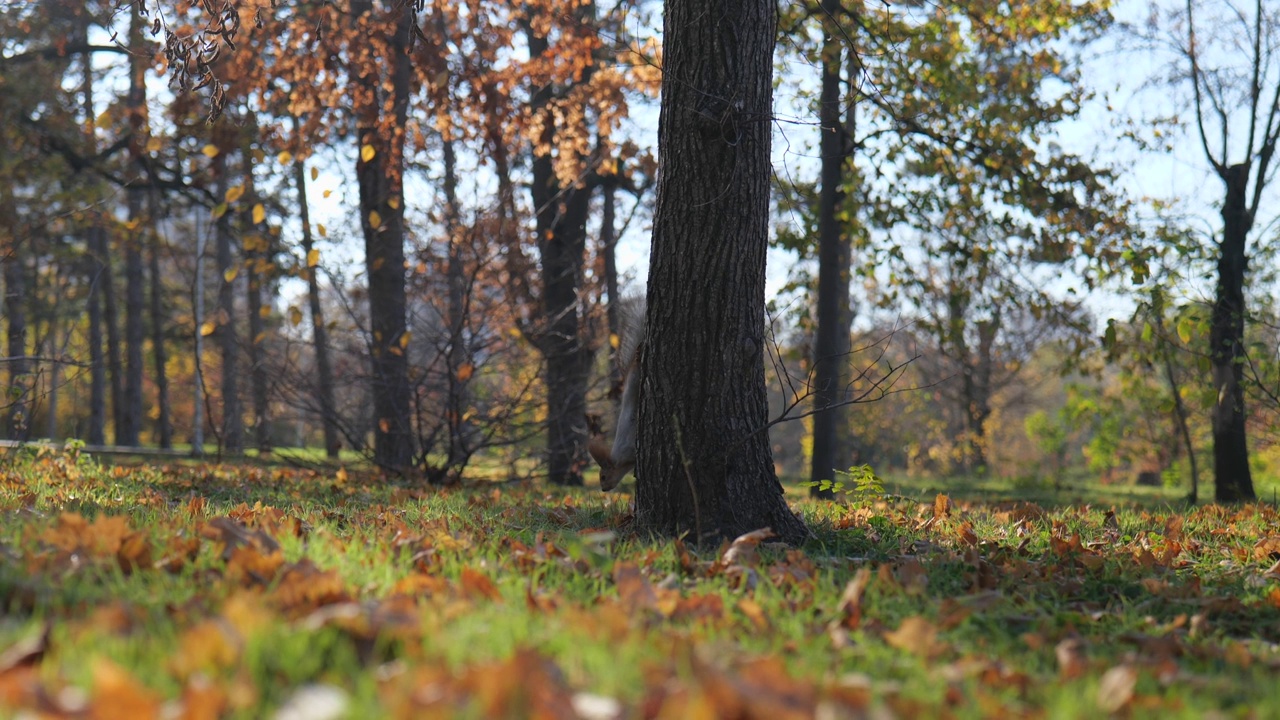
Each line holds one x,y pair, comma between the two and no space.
850,607
1115,689
915,635
1071,658
742,551
634,590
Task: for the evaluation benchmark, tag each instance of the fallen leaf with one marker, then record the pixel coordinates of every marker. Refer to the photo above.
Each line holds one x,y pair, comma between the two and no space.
915,635
1115,689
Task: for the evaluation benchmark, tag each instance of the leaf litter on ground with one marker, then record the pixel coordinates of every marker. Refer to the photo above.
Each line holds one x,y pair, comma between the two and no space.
203,591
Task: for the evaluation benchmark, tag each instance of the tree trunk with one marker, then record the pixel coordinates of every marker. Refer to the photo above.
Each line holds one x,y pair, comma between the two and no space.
232,416
164,426
459,396
96,243
609,251
256,243
134,335
978,401
832,449
111,314
380,178
16,403
704,464
319,331
1233,480
561,222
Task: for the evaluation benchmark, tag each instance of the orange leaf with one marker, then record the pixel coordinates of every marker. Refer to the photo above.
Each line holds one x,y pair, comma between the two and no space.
477,584
117,694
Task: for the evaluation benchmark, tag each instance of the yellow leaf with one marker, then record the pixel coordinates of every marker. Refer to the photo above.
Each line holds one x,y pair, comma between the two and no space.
235,193
315,173
614,341
264,312
367,152
154,145
327,193
210,151
313,258
394,203
208,328
320,228
259,213
285,157
340,477
375,220
103,120
465,371
258,155
257,339
404,339
295,316
219,211
231,273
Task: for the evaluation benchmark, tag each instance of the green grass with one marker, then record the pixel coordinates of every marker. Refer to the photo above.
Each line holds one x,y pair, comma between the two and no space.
507,600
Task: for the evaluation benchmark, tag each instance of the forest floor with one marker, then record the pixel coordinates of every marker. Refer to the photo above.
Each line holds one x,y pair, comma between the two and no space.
201,591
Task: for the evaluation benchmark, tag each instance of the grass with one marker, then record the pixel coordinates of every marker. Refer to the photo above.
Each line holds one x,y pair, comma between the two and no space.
228,589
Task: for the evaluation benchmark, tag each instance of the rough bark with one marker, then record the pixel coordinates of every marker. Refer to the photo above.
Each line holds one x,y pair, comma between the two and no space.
134,334
1233,480
704,464
380,180
832,449
319,331
232,435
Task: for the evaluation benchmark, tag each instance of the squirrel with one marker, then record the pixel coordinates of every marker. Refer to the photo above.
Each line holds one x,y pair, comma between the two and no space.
618,459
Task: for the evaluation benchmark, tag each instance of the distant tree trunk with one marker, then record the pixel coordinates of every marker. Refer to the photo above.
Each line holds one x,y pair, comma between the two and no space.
832,447
609,252
319,331
164,426
380,177
459,397
96,243
1233,480
97,367
232,416
111,314
704,464
54,351
131,415
197,410
256,243
561,223
15,296
978,398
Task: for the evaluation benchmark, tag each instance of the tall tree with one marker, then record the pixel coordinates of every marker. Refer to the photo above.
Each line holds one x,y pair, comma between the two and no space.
159,351
832,448
561,207
131,414
1234,72
95,241
256,244
319,331
381,92
704,463
232,434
